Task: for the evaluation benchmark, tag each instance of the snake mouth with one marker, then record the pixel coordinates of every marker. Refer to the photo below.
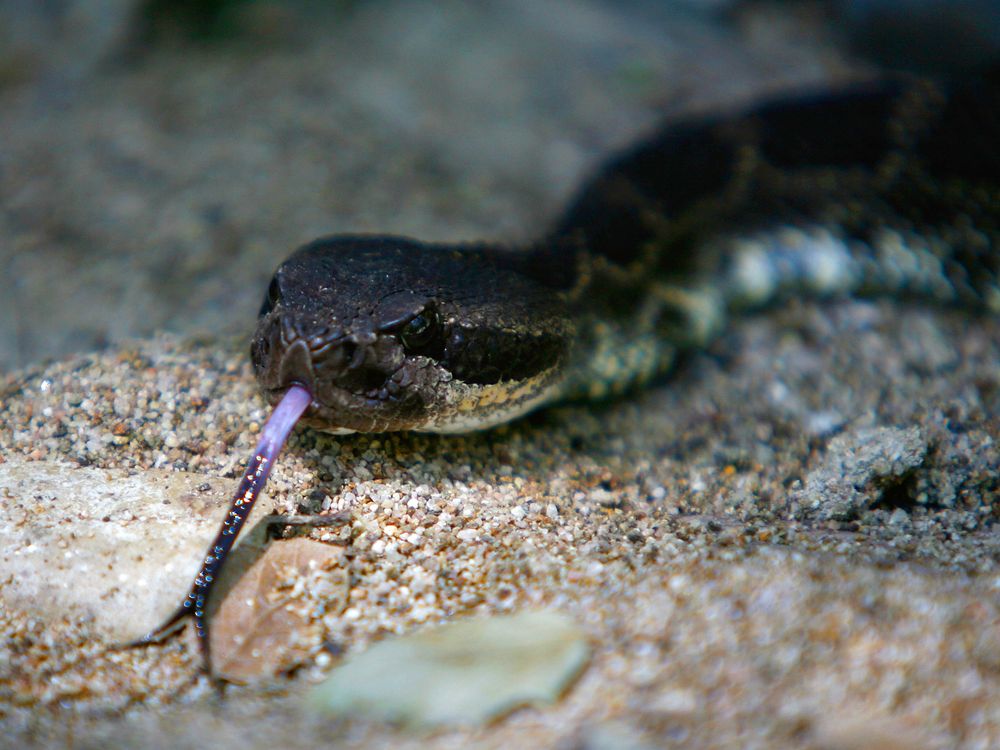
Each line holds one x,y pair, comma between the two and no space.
358,382
328,367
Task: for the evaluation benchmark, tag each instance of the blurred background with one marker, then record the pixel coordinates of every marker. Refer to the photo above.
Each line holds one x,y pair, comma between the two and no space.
159,158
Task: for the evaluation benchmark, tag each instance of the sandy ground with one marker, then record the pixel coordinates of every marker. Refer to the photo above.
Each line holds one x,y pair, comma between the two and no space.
789,543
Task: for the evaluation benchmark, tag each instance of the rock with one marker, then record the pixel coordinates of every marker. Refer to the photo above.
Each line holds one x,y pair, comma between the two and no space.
465,672
858,468
117,548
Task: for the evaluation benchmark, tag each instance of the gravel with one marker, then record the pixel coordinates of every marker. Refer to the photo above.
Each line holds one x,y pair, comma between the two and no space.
791,542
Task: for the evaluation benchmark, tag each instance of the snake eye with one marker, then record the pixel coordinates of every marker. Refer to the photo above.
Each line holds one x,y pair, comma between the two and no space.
273,297
419,331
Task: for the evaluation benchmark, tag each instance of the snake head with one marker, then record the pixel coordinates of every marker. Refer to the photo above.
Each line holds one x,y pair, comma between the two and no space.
388,334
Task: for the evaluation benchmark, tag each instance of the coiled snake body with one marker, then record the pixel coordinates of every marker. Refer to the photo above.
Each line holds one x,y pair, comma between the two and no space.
888,187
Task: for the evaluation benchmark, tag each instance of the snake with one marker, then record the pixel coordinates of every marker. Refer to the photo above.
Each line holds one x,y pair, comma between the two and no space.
889,186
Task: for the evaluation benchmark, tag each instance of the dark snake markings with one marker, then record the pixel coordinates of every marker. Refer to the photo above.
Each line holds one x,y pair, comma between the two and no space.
889,187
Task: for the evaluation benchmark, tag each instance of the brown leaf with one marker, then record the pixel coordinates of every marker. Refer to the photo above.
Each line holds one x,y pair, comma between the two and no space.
262,627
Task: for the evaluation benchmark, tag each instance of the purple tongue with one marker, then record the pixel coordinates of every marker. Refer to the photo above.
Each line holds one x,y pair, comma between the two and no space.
272,439
295,401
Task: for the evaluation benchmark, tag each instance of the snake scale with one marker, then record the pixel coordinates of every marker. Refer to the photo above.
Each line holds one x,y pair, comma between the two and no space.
887,187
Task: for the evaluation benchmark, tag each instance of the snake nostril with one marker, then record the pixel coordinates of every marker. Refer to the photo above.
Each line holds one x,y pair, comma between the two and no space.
348,361
260,348
348,351
355,354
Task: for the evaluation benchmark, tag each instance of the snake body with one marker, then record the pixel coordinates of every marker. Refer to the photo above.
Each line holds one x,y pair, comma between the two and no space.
888,187
891,186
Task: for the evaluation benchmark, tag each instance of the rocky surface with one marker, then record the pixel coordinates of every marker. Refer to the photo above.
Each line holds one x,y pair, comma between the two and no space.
791,542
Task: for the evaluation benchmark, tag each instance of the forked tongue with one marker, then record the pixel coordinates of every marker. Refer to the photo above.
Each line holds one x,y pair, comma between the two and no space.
292,405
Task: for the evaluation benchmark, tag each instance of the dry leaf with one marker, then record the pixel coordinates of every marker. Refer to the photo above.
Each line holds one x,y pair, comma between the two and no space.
262,627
